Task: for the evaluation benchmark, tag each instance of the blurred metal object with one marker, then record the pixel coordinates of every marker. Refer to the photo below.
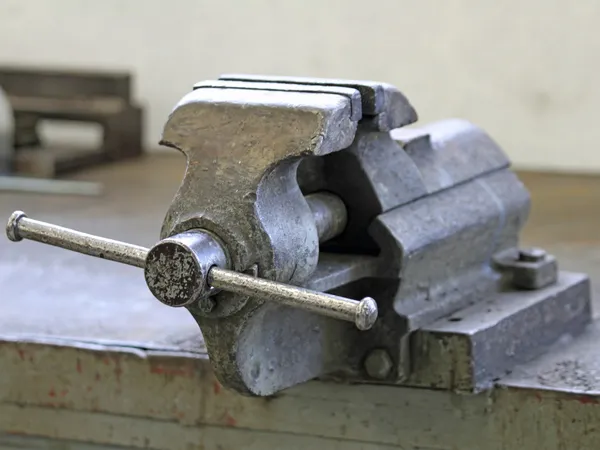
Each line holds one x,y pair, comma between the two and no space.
6,134
79,96
10,183
50,187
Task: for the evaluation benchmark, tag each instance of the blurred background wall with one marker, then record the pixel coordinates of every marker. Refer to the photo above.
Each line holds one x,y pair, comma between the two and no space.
526,71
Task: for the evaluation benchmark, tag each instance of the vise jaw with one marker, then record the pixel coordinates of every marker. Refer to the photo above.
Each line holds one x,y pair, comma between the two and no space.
306,201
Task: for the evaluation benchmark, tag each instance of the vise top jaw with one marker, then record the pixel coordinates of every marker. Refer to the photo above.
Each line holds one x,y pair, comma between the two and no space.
384,107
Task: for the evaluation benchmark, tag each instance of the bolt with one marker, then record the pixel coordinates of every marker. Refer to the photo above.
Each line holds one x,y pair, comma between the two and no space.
379,364
532,254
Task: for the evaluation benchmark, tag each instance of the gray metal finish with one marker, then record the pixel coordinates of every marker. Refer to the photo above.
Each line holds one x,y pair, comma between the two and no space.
450,151
528,268
363,313
383,106
301,186
444,258
20,227
329,213
486,341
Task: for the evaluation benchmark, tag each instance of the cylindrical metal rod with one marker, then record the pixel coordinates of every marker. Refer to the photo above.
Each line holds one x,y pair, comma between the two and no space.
20,227
363,313
329,212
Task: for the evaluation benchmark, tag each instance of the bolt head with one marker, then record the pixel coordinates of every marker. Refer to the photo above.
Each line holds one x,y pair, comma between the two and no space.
366,314
532,254
379,364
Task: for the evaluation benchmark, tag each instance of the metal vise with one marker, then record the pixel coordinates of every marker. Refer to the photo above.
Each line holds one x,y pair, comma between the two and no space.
313,236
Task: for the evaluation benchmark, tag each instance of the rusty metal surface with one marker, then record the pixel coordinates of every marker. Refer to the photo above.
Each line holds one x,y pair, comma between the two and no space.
150,399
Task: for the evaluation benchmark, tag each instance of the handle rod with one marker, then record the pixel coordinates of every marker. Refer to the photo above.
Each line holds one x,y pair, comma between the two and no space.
363,313
21,227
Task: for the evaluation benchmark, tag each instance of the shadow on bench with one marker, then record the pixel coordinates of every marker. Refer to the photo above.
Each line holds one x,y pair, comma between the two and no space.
99,97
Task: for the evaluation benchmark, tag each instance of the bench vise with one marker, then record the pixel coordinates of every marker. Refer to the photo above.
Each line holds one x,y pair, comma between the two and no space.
315,235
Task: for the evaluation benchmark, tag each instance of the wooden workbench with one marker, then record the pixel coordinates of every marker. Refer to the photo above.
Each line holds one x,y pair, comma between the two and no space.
90,360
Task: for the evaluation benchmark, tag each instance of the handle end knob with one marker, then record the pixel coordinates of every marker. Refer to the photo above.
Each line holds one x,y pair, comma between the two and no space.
12,226
366,314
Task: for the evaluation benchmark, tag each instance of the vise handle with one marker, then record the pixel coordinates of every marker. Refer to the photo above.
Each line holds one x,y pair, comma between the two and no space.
190,247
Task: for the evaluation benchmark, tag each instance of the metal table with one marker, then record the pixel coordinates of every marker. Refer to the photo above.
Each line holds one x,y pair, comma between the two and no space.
90,360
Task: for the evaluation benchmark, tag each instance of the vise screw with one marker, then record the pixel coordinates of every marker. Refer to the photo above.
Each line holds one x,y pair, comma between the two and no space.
313,227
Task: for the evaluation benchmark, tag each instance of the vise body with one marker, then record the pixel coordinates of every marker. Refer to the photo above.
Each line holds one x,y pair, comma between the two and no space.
316,235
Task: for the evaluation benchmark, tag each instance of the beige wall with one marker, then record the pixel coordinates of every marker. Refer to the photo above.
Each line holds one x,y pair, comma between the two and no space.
527,71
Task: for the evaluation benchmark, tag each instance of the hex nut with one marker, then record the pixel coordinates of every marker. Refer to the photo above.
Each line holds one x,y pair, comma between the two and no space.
530,269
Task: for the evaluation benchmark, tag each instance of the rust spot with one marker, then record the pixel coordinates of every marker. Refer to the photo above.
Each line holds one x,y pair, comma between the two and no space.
106,361
21,353
53,404
587,400
79,368
18,432
230,421
538,396
162,370
64,393
52,393
89,389
97,377
216,387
